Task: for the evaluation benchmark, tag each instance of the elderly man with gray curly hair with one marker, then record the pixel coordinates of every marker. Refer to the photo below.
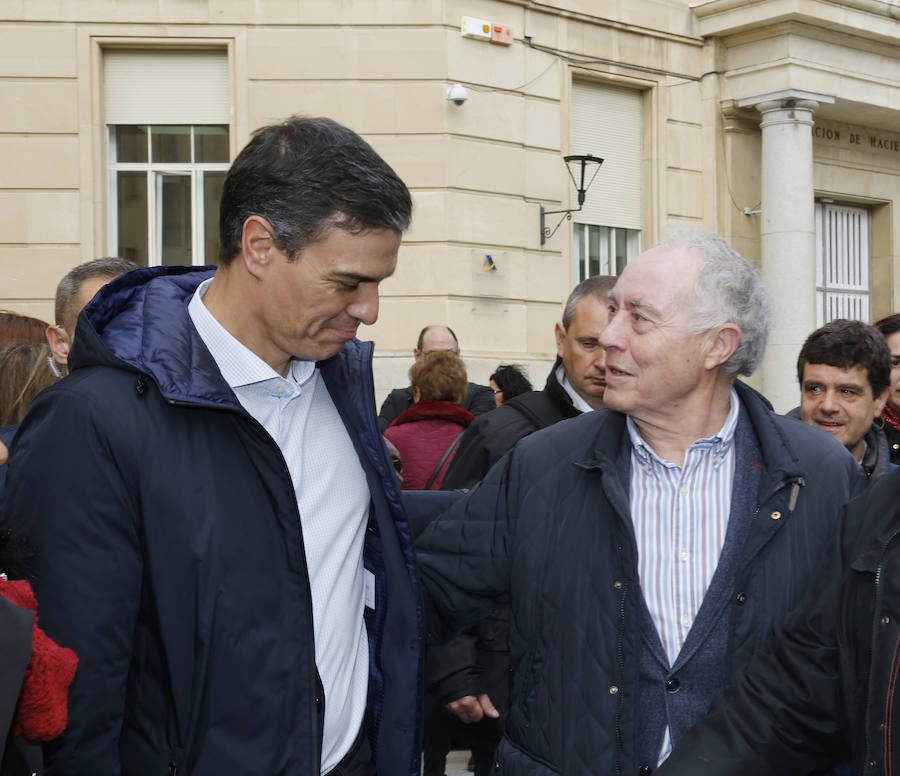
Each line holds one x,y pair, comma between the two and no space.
645,550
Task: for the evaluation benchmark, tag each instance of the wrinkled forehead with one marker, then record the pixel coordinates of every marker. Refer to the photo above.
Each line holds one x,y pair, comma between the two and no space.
660,278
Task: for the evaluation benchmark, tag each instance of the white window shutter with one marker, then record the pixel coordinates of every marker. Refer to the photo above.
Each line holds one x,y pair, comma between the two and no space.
165,87
607,122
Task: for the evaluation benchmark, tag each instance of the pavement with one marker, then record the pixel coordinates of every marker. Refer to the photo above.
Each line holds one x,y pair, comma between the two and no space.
456,764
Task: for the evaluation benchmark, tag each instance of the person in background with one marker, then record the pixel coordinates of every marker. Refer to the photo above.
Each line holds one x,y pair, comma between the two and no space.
844,371
427,434
25,371
18,329
508,382
889,327
478,398
35,672
575,385
76,288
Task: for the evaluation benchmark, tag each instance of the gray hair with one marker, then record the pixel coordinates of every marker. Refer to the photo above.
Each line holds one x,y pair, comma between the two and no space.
108,267
598,286
728,289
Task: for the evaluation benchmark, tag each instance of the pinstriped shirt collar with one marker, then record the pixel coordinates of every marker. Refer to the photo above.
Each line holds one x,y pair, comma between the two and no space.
718,444
239,365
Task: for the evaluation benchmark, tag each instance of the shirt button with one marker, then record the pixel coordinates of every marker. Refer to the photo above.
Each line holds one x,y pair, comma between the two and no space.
613,690
885,620
686,621
776,515
684,491
673,685
683,556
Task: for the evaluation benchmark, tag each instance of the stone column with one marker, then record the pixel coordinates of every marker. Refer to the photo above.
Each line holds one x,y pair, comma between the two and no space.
787,233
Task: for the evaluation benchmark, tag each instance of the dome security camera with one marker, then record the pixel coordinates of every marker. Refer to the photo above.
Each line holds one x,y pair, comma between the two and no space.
457,94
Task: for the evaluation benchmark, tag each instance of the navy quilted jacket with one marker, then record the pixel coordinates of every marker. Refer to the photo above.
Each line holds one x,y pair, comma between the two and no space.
170,555
549,532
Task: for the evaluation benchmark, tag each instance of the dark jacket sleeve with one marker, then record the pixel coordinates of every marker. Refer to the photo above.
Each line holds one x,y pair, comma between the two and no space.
67,490
479,399
398,401
784,716
451,669
463,556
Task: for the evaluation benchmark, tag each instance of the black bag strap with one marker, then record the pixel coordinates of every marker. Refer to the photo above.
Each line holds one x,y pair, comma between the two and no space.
443,458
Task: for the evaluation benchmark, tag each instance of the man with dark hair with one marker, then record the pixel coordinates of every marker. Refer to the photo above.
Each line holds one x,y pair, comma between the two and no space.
478,398
844,369
645,550
575,385
223,545
77,287
889,326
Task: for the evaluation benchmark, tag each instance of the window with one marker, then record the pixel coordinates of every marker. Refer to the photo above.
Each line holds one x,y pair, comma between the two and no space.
604,250
843,262
168,144
165,184
607,122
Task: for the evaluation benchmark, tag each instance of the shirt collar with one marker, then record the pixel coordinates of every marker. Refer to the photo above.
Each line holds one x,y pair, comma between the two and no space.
238,364
577,401
717,443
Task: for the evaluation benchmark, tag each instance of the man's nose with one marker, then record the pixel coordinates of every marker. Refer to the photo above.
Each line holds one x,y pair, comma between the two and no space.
610,335
829,402
364,306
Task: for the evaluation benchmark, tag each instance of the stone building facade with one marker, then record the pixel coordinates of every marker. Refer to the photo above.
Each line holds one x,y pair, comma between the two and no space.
775,123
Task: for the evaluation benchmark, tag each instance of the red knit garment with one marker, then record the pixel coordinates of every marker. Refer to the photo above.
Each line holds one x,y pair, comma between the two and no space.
891,417
42,711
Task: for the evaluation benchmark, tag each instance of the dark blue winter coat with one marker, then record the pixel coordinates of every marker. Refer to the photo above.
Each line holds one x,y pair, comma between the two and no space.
169,555
549,533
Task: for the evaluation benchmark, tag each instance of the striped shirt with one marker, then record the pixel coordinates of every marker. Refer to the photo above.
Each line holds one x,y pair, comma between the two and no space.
680,517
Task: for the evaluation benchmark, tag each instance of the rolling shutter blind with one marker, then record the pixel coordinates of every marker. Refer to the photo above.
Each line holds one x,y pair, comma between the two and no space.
165,87
606,122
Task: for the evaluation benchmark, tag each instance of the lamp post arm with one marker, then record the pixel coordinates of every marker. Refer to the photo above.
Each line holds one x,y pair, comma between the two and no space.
546,232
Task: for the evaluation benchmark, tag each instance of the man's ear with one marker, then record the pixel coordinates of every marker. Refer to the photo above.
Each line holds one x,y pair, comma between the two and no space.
58,339
724,340
257,243
560,333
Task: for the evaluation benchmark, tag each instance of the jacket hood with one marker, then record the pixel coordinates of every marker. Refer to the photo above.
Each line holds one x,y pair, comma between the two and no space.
140,321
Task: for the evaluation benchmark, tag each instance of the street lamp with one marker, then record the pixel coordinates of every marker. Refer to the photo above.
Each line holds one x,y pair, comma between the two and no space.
574,163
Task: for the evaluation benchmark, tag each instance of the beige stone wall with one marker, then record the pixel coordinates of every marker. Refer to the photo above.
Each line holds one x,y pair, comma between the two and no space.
478,172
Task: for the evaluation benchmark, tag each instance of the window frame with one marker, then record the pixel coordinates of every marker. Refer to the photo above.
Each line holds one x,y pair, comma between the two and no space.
154,172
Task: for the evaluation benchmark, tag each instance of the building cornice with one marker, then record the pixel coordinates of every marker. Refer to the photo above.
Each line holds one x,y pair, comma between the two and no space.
873,19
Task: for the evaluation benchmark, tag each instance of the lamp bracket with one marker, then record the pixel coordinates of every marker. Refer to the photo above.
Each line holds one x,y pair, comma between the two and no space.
546,232
579,162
